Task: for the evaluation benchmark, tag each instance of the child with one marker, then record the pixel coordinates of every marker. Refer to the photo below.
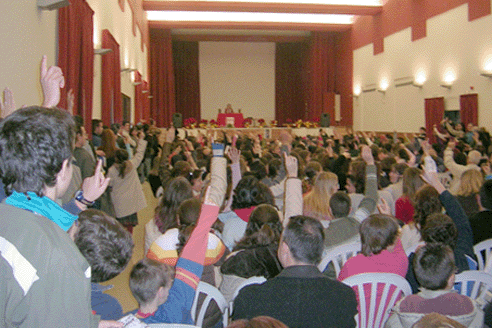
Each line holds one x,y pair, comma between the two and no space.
107,247
150,282
435,270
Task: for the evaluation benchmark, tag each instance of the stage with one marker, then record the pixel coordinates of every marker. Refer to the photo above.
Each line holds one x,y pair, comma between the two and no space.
266,132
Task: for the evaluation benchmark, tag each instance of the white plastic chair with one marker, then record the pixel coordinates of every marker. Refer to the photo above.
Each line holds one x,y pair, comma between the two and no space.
412,249
257,280
474,284
376,313
211,293
338,256
482,251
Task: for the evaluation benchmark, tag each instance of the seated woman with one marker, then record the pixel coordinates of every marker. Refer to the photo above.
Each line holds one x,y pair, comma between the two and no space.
256,253
165,218
248,194
469,187
316,202
381,251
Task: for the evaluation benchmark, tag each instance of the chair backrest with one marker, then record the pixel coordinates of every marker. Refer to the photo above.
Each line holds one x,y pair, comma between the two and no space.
474,284
338,256
257,280
482,251
211,293
412,249
249,281
377,293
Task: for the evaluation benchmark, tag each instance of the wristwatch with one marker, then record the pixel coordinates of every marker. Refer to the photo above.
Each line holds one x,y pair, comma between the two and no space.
79,196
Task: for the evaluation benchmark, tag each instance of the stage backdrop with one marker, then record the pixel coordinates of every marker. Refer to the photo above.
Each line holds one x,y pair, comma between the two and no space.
239,73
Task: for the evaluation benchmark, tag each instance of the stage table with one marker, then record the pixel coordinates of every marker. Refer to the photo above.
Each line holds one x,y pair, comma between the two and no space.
224,119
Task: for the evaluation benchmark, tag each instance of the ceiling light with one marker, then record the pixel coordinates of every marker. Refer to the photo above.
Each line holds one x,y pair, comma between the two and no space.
202,16
369,3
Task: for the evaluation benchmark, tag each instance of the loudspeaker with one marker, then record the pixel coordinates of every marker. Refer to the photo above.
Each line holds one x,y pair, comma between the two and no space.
52,4
177,120
325,120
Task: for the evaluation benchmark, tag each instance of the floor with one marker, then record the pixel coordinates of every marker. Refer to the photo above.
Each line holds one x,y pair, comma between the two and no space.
121,289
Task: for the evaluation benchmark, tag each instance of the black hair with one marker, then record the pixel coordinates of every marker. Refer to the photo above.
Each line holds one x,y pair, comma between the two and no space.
305,238
486,195
105,243
79,123
121,160
263,229
34,143
340,204
95,123
433,264
250,192
177,191
440,228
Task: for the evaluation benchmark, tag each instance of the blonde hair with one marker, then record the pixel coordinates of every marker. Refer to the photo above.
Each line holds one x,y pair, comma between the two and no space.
470,183
318,199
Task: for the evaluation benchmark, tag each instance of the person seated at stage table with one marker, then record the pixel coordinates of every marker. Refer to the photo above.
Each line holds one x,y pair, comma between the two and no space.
228,109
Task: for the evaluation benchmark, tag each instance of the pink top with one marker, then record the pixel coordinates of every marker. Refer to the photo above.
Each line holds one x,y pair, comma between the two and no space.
404,209
395,261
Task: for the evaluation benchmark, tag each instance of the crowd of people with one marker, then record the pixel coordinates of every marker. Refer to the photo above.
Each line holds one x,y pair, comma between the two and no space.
233,206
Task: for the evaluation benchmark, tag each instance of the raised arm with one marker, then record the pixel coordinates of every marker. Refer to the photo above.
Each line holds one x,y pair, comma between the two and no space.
140,151
464,244
293,204
368,203
52,81
190,264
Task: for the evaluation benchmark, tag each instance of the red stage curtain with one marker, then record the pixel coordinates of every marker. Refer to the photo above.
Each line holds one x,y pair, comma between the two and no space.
76,57
186,75
290,81
111,106
138,100
469,109
162,104
434,113
321,63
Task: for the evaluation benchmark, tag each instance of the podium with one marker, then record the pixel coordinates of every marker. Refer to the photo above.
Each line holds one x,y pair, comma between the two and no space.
235,119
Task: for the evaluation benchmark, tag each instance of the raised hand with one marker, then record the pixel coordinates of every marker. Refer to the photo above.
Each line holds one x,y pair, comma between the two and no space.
234,155
52,81
94,186
291,166
366,154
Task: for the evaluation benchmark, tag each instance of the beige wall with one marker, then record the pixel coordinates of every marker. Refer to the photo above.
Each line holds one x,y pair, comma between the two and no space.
28,33
452,43
108,15
239,73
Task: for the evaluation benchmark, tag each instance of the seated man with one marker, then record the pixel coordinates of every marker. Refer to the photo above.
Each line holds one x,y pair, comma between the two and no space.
435,270
108,248
300,296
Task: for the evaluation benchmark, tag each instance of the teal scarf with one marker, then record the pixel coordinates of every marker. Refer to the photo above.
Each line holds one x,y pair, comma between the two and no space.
42,206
